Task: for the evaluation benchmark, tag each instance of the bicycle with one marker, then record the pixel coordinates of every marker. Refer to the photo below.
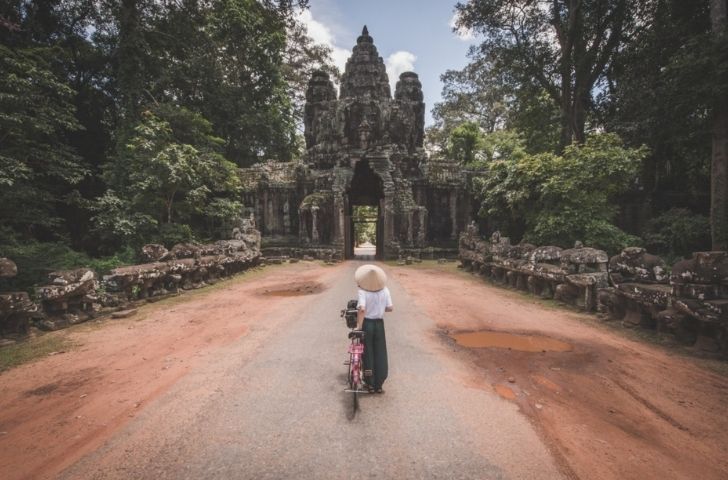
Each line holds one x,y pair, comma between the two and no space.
355,377
356,369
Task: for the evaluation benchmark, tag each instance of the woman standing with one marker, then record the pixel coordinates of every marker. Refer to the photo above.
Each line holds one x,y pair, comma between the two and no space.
374,300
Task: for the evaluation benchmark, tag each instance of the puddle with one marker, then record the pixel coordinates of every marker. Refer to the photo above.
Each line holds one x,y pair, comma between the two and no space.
292,289
505,392
511,341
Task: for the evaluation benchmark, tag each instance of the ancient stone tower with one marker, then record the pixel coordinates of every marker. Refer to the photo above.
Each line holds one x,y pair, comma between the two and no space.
363,148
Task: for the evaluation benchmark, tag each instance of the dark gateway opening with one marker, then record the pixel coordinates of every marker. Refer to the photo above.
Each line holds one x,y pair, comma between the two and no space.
363,236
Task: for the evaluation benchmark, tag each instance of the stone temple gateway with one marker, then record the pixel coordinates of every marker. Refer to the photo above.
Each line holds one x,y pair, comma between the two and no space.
363,148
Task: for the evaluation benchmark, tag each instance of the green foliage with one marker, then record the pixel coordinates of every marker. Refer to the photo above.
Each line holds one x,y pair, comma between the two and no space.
677,233
82,167
465,141
485,94
365,226
35,260
172,175
37,166
562,48
301,57
172,233
560,198
660,92
224,60
35,348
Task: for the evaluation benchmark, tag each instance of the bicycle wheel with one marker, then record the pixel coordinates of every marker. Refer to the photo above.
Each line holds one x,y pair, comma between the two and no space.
353,387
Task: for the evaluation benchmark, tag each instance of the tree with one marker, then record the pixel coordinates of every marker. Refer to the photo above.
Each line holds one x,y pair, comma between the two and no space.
174,175
719,163
486,94
465,141
562,47
37,166
658,92
302,57
478,93
558,199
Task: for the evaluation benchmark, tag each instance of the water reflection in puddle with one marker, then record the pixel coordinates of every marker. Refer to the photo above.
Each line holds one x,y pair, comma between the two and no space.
505,392
523,343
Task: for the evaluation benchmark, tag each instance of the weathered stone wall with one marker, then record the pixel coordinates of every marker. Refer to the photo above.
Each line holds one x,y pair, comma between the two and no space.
634,287
363,147
76,296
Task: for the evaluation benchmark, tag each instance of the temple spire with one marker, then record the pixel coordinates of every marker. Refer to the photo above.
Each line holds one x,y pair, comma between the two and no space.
365,31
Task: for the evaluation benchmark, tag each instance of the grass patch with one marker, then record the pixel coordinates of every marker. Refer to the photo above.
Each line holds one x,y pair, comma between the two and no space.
33,349
425,264
244,276
146,309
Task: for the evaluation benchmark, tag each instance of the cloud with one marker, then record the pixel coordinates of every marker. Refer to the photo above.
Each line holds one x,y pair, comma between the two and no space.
464,34
399,62
322,34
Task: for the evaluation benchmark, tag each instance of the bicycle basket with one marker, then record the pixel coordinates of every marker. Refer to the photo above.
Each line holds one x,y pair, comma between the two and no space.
350,313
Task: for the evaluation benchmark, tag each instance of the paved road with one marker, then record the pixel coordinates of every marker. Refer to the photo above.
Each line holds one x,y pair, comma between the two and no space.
271,405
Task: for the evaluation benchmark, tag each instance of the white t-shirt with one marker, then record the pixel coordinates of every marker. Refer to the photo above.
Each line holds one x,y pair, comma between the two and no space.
374,302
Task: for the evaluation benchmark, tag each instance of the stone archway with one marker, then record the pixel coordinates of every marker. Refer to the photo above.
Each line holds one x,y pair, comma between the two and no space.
365,190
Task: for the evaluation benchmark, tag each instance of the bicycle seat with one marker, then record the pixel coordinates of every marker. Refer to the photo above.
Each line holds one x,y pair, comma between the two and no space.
357,334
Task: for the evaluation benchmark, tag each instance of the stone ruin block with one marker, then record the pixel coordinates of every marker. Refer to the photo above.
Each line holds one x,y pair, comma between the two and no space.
584,260
573,275
302,253
585,271
70,298
632,286
699,311
543,271
16,311
138,282
74,296
580,289
474,252
154,252
8,269
16,308
188,266
639,290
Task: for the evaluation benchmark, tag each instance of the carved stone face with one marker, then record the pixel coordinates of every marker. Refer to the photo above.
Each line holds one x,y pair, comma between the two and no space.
409,88
320,88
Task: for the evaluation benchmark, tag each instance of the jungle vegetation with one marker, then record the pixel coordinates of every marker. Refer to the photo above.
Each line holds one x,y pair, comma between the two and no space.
122,122
603,121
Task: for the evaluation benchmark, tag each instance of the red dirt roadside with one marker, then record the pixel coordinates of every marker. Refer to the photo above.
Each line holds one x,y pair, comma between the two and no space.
55,410
611,408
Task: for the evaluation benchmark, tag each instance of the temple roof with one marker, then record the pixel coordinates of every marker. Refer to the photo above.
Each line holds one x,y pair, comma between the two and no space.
441,171
274,174
365,74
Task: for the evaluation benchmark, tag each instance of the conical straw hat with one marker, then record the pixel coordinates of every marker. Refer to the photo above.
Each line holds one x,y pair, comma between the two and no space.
370,277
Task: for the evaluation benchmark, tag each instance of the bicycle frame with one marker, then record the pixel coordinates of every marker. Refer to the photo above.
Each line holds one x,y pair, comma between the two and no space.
356,350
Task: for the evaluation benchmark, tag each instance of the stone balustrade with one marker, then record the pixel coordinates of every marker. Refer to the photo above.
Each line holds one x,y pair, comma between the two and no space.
75,296
698,312
16,308
690,302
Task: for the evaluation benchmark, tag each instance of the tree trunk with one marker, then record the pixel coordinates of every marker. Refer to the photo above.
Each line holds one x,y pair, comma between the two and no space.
566,135
129,54
719,161
170,202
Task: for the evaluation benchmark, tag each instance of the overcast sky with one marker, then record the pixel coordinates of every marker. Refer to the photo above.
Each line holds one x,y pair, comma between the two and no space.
411,35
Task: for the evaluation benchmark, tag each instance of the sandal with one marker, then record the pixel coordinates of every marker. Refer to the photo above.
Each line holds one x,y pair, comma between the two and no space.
379,390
